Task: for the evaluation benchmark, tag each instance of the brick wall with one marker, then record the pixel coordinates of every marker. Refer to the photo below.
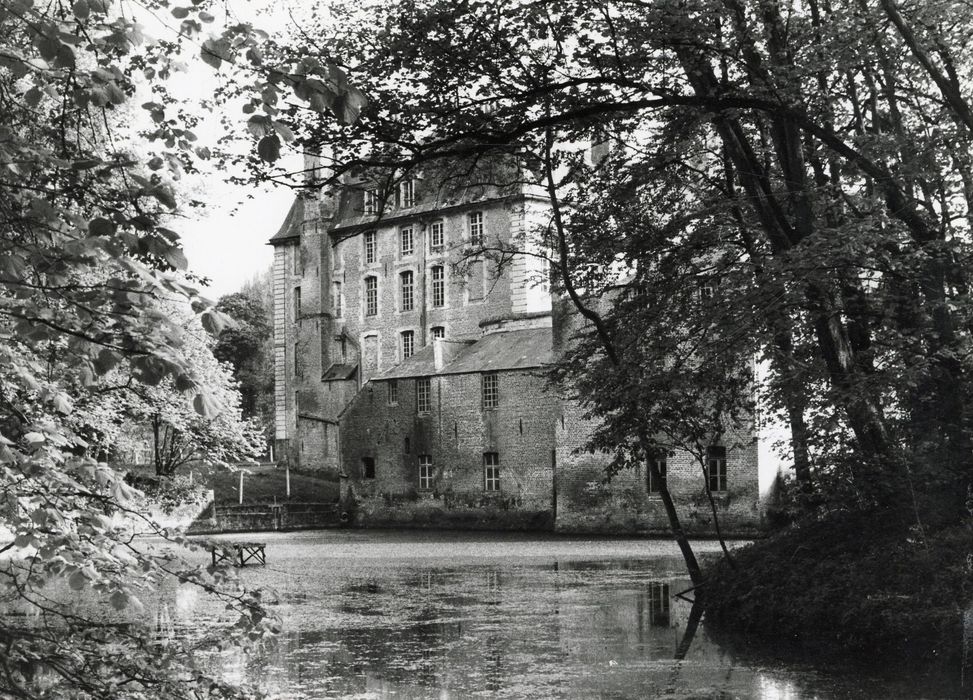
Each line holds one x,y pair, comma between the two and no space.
585,503
455,433
460,315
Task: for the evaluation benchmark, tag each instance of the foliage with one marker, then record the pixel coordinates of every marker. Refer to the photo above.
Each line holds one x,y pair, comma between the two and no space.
85,247
874,594
246,346
812,159
180,433
167,493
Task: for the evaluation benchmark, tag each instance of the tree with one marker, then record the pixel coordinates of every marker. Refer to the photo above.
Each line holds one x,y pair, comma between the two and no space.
180,433
246,346
816,157
85,248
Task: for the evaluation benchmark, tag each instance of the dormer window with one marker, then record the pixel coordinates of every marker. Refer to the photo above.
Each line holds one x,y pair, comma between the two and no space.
407,194
371,202
708,287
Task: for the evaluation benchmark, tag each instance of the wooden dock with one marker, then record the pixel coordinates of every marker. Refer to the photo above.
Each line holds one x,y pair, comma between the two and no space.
242,552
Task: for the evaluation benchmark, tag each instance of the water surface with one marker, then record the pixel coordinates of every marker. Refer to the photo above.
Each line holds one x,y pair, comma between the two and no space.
372,614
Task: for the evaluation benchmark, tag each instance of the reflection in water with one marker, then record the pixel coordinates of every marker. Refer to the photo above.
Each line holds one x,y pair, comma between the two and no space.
521,628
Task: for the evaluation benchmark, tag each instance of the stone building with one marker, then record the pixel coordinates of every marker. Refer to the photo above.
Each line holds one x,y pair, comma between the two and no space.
413,369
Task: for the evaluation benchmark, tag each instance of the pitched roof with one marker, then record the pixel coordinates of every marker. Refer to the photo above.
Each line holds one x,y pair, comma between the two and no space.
291,228
506,350
339,371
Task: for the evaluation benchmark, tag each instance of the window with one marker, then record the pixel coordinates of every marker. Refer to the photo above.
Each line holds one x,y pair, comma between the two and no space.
437,239
297,363
423,399
407,193
369,242
371,202
656,486
297,260
708,286
438,332
438,286
425,472
297,303
336,299
406,288
407,445
491,390
716,467
491,471
406,242
474,284
339,351
371,296
368,467
474,222
393,392
408,344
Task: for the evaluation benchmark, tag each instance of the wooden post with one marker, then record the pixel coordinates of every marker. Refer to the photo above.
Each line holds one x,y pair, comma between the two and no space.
241,487
287,477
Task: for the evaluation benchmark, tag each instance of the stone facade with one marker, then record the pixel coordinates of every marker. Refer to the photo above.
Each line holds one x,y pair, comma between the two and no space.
381,287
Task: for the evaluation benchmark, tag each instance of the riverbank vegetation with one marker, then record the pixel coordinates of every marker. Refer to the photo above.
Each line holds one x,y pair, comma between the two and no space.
847,585
92,142
756,208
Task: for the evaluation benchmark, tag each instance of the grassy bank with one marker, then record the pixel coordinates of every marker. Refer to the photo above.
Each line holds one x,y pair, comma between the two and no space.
261,484
849,585
268,485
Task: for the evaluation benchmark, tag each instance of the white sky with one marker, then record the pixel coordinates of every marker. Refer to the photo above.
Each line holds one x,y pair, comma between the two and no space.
227,241
230,247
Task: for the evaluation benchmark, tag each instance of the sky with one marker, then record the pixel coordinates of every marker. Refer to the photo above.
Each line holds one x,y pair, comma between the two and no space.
227,241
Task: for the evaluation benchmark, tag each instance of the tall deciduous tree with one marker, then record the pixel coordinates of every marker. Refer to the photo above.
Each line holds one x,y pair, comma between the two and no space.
84,249
814,156
246,346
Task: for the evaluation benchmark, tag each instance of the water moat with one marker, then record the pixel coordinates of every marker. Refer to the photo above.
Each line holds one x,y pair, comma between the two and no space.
381,614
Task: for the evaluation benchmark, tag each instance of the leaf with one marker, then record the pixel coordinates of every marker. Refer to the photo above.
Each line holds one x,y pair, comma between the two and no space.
269,148
86,163
164,195
81,9
34,437
180,12
177,258
284,131
106,360
258,125
62,404
119,600
77,580
33,97
213,321
209,55
215,51
205,405
101,227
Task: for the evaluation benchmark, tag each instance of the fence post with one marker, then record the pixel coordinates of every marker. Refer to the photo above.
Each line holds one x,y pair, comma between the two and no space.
241,487
287,477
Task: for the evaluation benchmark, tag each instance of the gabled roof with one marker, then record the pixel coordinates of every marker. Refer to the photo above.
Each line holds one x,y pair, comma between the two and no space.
339,371
506,350
291,228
